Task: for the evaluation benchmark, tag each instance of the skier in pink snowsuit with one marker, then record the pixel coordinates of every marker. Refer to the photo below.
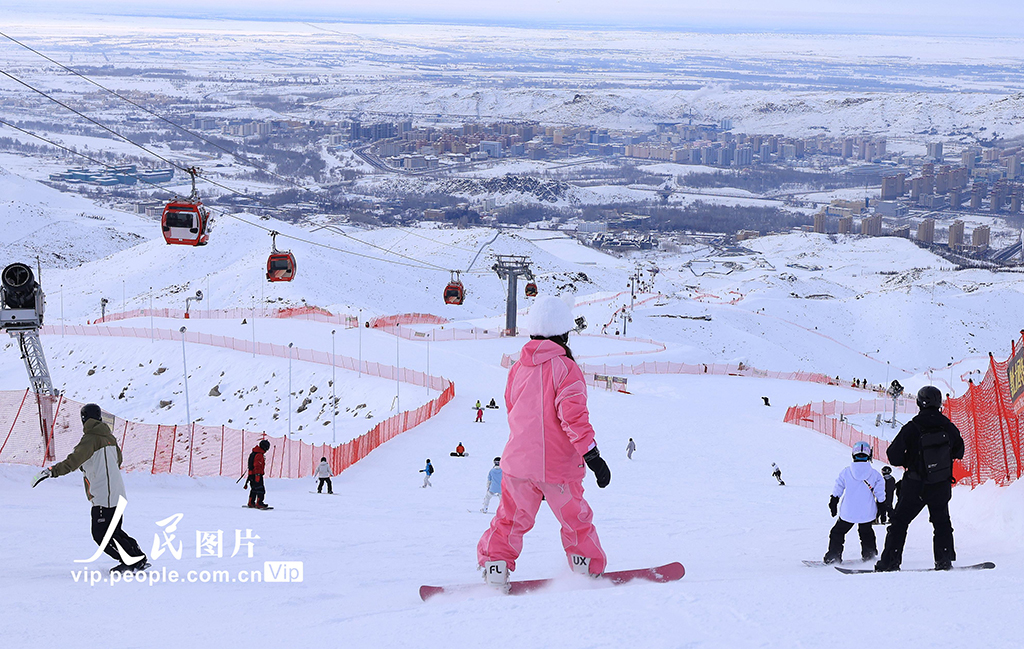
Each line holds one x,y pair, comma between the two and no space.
550,439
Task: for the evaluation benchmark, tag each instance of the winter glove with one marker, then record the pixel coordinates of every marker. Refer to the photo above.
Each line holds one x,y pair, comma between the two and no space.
599,467
42,475
246,485
880,508
833,505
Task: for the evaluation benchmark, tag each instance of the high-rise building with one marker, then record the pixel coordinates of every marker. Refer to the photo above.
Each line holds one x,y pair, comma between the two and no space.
926,231
980,237
846,225
889,188
935,150
871,226
819,223
956,234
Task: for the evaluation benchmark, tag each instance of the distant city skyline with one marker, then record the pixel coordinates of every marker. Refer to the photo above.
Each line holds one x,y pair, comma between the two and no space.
946,17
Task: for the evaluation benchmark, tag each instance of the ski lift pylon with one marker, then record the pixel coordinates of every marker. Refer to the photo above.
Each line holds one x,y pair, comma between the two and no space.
185,222
280,263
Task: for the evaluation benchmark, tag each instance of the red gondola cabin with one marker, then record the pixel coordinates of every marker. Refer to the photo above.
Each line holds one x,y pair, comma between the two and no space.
185,223
531,289
280,267
454,293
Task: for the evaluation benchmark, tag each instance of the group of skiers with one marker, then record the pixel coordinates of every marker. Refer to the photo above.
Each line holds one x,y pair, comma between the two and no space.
550,442
926,448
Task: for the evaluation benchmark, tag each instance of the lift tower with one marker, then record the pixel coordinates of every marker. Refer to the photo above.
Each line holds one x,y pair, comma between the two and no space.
511,268
21,315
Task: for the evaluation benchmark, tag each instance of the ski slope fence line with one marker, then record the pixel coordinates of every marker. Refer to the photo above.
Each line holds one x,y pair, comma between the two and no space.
668,367
313,313
820,417
990,428
200,450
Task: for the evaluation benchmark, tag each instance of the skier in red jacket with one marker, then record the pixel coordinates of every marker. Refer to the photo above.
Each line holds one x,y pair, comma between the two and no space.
255,479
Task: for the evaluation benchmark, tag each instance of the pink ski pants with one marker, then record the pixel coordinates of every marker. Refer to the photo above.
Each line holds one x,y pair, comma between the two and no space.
517,511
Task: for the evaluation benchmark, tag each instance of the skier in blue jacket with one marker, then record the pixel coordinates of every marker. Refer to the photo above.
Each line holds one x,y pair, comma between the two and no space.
427,471
864,497
493,484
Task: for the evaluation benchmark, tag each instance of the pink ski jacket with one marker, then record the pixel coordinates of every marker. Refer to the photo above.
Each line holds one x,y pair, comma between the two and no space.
549,425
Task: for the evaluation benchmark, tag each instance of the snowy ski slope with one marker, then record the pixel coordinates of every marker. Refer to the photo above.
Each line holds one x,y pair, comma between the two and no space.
698,489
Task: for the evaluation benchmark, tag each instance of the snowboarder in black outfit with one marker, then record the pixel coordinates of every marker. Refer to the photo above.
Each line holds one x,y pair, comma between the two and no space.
777,474
890,492
98,457
926,446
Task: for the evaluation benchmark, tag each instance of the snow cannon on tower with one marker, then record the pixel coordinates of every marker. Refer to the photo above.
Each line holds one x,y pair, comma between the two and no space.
22,304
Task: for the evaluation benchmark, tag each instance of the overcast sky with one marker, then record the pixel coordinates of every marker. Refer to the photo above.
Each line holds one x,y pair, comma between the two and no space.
966,17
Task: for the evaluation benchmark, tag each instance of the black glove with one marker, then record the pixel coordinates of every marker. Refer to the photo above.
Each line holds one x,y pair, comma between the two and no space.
599,467
880,508
833,505
246,485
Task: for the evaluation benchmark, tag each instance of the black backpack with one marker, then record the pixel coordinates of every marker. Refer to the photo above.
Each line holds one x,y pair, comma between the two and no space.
936,456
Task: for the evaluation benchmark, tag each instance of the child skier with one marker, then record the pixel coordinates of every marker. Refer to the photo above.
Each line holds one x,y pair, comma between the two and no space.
493,484
323,474
865,495
550,439
427,471
890,492
99,459
257,465
777,474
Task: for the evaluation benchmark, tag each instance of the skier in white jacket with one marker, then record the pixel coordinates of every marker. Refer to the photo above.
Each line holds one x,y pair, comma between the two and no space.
323,474
864,497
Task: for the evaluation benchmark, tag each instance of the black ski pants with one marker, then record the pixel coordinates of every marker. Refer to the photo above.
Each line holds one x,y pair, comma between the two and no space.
101,519
320,485
837,537
257,489
914,497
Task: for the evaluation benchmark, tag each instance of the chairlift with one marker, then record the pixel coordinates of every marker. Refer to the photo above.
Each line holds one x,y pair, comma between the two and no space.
185,222
280,263
454,293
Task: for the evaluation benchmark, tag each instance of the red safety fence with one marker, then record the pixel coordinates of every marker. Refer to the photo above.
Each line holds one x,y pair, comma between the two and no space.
199,450
991,430
820,416
313,313
406,319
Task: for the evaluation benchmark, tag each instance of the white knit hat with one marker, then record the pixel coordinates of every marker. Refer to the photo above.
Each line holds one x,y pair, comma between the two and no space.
550,316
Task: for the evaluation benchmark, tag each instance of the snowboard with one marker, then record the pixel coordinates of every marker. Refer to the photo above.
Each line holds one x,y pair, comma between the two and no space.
987,565
822,564
321,493
256,508
122,569
659,574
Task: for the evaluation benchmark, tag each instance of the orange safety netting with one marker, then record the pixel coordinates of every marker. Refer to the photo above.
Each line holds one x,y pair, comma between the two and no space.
198,450
991,429
313,313
820,416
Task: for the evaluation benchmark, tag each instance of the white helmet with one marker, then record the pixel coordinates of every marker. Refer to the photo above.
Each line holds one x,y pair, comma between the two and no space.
550,316
861,452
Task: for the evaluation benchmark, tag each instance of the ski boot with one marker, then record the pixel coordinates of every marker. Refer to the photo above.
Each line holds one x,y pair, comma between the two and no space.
496,575
581,565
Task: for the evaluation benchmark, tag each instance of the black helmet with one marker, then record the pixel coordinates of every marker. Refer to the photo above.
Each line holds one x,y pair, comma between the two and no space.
886,470
323,459
91,411
264,444
497,460
929,397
